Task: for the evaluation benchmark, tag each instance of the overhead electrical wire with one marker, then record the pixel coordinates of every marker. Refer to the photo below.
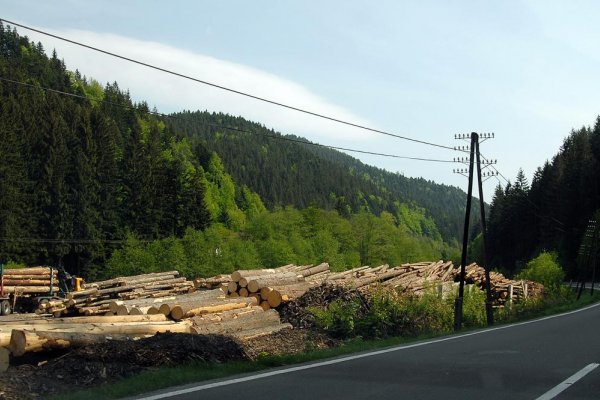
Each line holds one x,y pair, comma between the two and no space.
228,89
277,137
68,241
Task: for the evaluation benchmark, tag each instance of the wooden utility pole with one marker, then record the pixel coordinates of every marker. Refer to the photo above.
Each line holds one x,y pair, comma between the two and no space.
489,311
458,304
474,150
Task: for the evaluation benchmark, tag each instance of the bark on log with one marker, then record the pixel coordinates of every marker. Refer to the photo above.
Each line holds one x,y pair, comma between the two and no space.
262,331
4,359
255,285
30,282
27,289
29,271
243,322
314,270
191,309
23,341
237,275
116,281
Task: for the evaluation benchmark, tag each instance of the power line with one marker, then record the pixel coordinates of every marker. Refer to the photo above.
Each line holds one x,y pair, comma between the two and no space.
277,137
68,241
249,95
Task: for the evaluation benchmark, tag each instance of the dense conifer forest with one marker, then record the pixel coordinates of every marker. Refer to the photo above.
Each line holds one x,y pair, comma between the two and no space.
552,212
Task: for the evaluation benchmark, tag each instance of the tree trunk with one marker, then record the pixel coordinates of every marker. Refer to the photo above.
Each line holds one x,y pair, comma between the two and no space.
262,331
258,283
244,321
191,309
237,275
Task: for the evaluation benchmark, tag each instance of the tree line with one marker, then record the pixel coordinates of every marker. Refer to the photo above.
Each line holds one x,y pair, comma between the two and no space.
551,213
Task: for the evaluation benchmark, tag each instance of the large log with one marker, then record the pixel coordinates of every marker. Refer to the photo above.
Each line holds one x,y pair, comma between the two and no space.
23,341
30,282
129,287
314,270
262,331
225,315
120,280
244,321
377,278
254,285
130,328
27,289
192,309
237,275
29,271
193,298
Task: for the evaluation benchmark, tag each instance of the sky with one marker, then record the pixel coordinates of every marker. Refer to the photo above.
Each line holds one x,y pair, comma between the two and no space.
428,70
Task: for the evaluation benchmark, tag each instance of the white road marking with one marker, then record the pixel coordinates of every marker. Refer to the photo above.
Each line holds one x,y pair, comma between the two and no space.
350,358
556,390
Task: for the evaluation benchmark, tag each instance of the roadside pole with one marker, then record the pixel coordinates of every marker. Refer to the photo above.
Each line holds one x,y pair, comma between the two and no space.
474,151
458,304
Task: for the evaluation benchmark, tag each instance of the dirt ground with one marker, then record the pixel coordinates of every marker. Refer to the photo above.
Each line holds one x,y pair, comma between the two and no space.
40,376
37,376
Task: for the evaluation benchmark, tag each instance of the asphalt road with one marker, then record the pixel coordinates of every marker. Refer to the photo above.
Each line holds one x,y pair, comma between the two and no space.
521,361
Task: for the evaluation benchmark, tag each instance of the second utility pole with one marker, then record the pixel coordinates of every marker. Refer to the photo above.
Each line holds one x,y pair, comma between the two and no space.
489,310
458,304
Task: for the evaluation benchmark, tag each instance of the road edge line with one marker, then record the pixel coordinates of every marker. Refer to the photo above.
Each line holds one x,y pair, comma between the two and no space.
318,364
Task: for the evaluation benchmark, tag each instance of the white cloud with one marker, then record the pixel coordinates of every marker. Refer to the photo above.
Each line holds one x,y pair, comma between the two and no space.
170,93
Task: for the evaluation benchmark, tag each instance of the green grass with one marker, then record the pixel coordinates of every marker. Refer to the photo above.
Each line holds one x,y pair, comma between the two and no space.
164,377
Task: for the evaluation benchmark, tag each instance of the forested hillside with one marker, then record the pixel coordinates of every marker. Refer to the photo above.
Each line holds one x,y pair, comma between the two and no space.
290,173
76,174
104,186
553,211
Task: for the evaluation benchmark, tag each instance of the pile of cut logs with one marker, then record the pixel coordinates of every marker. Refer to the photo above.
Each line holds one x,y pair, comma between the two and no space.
271,287
503,289
95,297
112,313
34,280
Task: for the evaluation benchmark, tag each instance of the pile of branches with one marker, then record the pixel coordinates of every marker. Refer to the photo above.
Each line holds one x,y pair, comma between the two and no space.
297,312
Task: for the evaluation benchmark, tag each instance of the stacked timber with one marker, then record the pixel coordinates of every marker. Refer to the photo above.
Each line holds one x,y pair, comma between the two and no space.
215,282
207,312
33,280
503,289
420,277
96,297
271,287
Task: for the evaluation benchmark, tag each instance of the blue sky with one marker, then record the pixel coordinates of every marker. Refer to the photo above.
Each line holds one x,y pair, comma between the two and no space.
526,70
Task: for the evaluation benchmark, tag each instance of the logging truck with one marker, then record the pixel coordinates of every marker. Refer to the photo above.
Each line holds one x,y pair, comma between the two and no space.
23,289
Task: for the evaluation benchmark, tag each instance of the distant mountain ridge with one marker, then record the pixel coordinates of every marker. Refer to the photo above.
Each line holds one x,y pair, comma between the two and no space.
289,173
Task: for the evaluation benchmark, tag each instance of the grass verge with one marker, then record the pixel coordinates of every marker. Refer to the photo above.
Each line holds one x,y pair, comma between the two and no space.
164,377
